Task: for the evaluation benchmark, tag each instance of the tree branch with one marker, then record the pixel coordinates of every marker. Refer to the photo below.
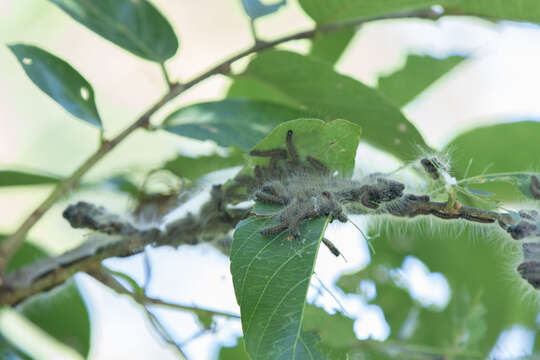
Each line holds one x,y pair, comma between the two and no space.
215,220
122,239
108,280
10,244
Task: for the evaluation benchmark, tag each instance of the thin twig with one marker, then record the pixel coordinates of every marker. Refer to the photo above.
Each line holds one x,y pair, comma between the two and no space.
195,336
416,351
176,306
10,244
331,294
147,271
163,333
108,280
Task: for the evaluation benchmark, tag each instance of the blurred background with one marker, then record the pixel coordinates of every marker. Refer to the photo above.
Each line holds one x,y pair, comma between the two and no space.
498,81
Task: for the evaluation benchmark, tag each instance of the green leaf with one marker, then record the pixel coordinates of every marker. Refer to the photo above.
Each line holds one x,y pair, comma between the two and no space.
59,80
135,25
329,95
122,183
61,313
457,251
336,331
417,75
334,142
471,318
335,11
193,168
498,151
237,352
253,89
9,351
20,178
133,284
329,46
394,300
229,122
25,255
516,10
271,276
255,8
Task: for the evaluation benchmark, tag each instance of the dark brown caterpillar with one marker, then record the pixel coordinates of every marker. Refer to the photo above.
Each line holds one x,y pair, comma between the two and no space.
307,189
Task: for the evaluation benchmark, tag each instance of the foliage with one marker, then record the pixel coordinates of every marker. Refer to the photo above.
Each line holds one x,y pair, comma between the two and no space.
284,92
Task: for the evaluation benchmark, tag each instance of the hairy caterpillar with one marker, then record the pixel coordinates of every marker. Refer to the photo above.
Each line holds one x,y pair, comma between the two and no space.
431,167
307,188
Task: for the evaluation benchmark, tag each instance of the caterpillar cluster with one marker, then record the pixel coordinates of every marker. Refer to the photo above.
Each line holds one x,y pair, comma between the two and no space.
307,188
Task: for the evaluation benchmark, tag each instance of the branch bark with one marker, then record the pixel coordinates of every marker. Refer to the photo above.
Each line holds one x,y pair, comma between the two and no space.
119,238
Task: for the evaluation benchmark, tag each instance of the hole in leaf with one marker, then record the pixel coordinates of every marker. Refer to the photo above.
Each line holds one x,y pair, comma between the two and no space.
437,9
85,94
27,61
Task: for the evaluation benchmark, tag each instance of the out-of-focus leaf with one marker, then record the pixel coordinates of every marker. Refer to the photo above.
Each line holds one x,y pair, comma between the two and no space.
417,75
122,183
194,168
507,154
516,10
335,11
10,352
135,25
271,276
237,352
329,46
25,255
394,300
20,178
336,331
253,89
206,319
61,313
471,319
230,122
473,262
133,284
322,91
255,8
59,80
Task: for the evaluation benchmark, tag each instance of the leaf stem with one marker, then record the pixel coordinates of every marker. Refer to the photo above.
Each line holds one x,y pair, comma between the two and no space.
166,76
253,30
163,333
